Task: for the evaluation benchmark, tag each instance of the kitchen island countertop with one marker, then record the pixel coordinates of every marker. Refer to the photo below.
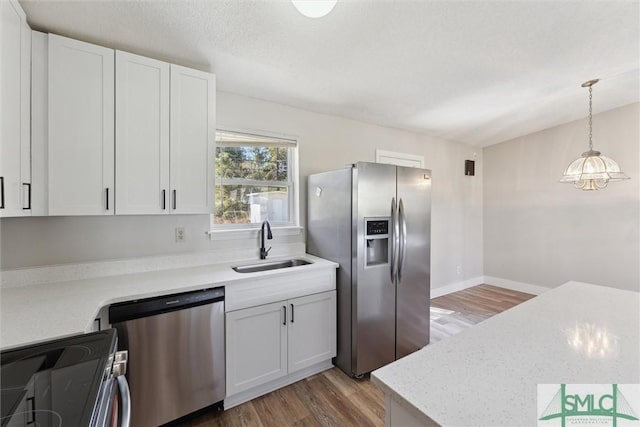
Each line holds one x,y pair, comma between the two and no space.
488,374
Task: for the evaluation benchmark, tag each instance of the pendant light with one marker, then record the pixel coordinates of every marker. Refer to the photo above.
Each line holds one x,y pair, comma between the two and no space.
314,8
592,170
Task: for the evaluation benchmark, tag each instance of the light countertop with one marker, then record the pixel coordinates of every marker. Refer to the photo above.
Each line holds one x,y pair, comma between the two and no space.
488,374
36,313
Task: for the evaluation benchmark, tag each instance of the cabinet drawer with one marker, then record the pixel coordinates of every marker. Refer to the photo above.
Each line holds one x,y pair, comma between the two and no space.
265,290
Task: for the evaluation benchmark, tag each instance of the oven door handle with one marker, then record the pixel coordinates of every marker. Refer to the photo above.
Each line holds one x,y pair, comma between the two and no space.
125,396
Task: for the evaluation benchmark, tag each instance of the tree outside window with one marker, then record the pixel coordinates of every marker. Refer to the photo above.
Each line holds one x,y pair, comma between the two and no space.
253,180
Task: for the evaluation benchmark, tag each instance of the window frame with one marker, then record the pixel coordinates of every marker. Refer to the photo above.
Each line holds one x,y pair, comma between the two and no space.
233,231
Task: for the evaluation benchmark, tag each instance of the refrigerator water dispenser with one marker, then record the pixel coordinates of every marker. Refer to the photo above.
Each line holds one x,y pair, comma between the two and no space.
377,241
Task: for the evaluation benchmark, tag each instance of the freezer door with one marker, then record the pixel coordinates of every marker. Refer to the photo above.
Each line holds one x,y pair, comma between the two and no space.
414,269
374,294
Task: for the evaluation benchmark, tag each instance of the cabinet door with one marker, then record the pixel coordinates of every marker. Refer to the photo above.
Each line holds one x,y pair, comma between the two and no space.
192,140
81,128
312,330
256,346
15,60
142,135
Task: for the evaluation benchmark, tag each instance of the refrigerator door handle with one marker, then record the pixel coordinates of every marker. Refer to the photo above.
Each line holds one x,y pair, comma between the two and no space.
402,238
395,240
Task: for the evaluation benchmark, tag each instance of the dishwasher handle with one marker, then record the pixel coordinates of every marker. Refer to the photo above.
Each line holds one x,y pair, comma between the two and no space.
130,310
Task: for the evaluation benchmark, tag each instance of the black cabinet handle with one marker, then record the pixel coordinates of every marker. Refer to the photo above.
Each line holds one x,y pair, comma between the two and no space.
291,313
107,192
164,199
99,322
2,192
284,322
29,196
174,200
32,410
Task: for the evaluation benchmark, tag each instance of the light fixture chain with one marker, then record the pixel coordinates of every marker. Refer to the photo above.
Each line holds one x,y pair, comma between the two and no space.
590,119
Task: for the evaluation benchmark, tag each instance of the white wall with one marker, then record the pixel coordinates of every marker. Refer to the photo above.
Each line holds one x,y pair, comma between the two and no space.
541,232
325,142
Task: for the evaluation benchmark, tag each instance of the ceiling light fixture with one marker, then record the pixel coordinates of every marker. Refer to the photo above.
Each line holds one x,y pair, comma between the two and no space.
314,8
592,170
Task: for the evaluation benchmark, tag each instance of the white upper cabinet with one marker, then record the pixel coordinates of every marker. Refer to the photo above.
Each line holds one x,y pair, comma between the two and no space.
15,86
142,135
192,140
81,128
122,134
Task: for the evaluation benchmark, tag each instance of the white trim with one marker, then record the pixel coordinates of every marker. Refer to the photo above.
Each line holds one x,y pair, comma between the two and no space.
251,233
515,286
400,156
245,396
455,287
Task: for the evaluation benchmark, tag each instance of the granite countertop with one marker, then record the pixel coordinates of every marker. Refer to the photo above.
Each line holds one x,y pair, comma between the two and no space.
488,374
36,313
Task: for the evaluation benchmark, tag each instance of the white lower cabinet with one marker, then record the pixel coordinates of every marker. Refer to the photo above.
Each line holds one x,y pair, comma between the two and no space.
256,346
312,330
271,341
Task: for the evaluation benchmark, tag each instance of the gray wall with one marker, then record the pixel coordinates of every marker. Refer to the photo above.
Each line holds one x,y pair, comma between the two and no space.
325,142
541,232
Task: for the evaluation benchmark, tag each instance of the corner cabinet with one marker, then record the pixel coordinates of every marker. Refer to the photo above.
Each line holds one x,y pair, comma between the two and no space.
15,109
81,128
271,341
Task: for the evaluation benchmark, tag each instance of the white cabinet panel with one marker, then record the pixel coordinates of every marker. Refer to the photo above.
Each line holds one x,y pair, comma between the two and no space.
142,135
81,128
15,85
192,140
39,123
312,330
256,346
269,341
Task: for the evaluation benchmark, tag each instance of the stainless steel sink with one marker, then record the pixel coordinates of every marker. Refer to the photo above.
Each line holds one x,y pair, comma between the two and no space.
275,265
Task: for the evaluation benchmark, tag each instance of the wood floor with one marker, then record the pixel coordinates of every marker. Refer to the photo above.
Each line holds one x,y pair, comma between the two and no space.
331,398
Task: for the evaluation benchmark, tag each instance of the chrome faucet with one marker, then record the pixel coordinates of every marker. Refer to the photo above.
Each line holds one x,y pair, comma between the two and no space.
264,252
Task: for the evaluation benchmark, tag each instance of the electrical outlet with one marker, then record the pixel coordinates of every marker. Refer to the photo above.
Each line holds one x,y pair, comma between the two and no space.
459,270
180,234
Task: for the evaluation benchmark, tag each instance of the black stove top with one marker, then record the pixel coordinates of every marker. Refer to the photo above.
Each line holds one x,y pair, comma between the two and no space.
55,383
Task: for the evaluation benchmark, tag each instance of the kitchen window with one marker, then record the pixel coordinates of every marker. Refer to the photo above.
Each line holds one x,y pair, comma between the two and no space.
255,180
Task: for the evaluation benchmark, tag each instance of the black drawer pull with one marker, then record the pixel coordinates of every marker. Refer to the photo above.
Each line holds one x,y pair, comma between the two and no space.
291,313
164,200
107,192
32,410
2,192
174,200
284,322
29,196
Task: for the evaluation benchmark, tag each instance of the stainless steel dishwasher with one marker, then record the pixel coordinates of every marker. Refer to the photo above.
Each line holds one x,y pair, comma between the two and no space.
176,353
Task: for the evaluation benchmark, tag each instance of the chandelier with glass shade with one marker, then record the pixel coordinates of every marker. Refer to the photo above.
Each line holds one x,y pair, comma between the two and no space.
592,170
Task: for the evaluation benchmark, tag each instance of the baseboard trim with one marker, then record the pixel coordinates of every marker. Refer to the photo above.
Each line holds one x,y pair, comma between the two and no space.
245,396
514,285
455,287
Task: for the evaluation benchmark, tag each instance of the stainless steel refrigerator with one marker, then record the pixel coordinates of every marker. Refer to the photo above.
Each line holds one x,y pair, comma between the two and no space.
375,221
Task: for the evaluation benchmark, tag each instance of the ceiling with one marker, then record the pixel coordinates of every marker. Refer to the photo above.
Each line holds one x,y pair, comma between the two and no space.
478,72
